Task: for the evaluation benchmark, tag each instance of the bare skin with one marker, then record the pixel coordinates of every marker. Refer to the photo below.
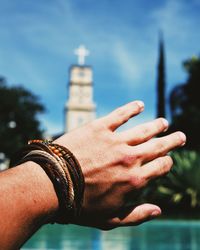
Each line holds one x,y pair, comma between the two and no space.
114,165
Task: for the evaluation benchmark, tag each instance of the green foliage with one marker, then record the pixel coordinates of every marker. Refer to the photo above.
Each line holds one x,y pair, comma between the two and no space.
181,187
185,104
18,117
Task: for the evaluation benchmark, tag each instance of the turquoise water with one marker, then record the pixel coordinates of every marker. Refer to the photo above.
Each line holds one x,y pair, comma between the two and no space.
155,235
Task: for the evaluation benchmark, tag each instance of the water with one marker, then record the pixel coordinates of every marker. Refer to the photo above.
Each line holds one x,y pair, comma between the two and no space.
155,235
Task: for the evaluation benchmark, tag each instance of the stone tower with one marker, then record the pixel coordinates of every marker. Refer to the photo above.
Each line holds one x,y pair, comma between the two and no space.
79,108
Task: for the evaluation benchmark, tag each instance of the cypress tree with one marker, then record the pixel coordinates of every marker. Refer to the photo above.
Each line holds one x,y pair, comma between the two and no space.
161,80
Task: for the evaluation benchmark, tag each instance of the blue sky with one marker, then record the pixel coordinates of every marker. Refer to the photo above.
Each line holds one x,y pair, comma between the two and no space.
38,38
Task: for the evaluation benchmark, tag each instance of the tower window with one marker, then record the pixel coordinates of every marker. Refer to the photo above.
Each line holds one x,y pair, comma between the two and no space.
81,74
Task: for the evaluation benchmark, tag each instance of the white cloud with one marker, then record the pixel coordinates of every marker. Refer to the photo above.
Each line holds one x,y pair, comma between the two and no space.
178,20
127,62
51,126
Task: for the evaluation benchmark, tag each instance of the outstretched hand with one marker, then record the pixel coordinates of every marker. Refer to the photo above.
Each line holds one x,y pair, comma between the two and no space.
116,164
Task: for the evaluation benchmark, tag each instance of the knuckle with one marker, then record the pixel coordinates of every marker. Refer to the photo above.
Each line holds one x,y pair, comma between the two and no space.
130,158
165,164
112,223
137,153
127,160
162,124
93,128
145,131
168,161
121,113
137,180
97,125
161,146
119,152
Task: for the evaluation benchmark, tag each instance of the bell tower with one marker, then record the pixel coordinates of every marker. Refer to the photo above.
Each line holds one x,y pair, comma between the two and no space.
80,108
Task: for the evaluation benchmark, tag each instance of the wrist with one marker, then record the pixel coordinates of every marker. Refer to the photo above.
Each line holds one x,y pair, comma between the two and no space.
64,172
42,201
28,201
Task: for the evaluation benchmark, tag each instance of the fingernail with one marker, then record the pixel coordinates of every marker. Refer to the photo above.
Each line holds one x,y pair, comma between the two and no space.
155,213
183,138
166,124
140,104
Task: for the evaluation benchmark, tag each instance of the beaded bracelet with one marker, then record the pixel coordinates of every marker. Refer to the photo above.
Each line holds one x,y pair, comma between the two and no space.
64,171
76,172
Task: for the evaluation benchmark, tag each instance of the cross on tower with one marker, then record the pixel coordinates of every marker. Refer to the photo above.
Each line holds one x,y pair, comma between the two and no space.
81,52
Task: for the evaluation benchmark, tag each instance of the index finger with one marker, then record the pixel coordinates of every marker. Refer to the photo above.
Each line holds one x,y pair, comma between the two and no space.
122,114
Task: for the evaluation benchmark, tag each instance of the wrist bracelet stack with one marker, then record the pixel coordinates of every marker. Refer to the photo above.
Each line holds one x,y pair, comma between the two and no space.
64,171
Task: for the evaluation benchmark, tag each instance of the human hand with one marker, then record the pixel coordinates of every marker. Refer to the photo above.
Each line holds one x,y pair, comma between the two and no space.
116,164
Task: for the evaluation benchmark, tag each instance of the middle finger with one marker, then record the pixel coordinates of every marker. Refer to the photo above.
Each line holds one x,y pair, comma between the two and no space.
144,132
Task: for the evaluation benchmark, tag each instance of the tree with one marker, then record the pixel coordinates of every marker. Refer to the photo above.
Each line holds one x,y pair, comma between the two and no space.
185,104
18,117
161,81
181,186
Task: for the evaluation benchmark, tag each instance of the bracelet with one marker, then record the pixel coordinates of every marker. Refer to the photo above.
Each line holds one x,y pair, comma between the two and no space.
64,171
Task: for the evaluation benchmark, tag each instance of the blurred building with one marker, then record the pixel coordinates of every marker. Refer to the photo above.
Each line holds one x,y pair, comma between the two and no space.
80,107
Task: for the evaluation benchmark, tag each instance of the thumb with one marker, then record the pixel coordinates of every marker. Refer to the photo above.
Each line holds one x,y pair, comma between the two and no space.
138,215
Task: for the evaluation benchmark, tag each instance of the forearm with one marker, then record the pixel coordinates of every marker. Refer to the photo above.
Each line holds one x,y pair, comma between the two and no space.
28,201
